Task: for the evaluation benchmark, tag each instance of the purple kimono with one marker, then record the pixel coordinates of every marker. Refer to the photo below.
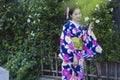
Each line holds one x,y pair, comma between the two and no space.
90,48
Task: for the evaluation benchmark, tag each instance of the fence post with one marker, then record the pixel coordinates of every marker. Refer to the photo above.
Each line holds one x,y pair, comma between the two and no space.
41,65
56,62
98,70
115,71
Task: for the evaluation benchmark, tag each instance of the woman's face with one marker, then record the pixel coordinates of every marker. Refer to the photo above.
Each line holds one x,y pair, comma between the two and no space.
76,15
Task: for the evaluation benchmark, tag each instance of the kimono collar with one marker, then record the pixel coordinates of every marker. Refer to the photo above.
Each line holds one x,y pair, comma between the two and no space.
75,24
79,25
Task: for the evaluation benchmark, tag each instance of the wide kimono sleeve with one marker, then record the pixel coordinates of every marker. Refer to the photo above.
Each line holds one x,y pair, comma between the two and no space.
90,45
66,46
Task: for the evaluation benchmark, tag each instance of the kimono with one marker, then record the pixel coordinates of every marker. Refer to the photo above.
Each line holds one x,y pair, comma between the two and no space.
90,48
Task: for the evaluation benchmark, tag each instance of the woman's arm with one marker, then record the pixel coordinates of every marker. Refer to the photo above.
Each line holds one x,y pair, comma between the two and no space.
66,46
90,30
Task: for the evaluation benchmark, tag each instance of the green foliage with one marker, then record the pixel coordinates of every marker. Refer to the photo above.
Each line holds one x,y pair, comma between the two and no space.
29,34
105,31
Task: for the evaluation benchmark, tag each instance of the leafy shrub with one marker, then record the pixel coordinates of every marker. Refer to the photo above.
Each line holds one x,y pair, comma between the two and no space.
29,33
105,30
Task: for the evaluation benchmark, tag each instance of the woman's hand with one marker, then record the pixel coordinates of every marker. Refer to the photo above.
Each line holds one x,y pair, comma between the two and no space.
76,61
60,56
90,32
91,26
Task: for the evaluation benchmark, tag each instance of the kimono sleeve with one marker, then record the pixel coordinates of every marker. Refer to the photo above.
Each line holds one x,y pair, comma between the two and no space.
66,46
90,45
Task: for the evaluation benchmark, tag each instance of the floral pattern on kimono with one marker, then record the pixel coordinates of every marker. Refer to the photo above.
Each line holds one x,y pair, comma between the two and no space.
90,48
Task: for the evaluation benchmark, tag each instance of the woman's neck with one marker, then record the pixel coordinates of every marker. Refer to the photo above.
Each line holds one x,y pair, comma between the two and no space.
76,22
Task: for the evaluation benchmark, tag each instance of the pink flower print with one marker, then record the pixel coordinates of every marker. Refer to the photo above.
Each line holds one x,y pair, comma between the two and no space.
85,47
61,41
87,38
90,52
66,58
74,78
76,30
71,47
94,42
68,77
79,55
68,33
81,75
65,72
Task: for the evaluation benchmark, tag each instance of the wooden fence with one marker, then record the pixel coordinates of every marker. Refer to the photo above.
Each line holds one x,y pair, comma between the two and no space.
102,70
94,70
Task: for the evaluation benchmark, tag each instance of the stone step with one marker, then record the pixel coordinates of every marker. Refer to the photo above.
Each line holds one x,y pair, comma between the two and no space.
4,74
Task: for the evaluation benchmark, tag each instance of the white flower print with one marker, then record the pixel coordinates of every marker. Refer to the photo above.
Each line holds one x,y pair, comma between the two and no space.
67,39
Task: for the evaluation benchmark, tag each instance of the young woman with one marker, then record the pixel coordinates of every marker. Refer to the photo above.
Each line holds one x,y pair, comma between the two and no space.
73,57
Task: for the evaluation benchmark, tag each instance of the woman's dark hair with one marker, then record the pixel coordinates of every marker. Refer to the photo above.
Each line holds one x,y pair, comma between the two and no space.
71,10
